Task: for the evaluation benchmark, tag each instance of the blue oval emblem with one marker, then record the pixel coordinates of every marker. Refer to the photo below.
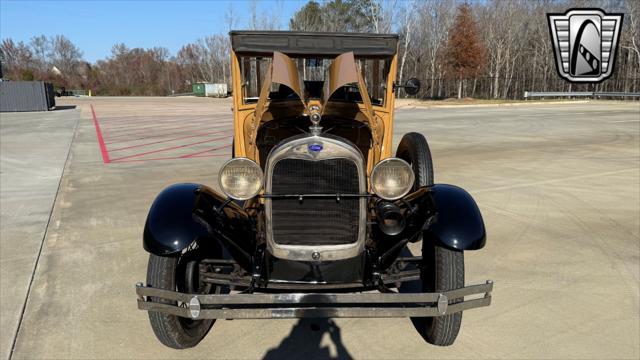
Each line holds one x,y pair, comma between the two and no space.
315,147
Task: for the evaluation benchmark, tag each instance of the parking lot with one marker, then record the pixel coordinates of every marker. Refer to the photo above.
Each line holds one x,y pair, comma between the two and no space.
558,186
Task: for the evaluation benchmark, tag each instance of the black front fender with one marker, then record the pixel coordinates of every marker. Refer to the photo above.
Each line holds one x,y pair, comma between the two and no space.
184,213
446,215
457,222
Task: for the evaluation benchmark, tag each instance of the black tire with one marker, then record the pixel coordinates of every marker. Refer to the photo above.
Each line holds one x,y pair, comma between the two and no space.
442,268
174,331
413,148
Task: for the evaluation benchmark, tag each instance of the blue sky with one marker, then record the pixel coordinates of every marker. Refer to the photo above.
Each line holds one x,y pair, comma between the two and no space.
95,26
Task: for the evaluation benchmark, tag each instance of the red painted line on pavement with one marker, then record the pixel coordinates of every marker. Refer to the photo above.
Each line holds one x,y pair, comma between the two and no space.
193,131
169,148
103,147
158,118
133,131
123,132
169,140
150,125
170,158
206,151
207,156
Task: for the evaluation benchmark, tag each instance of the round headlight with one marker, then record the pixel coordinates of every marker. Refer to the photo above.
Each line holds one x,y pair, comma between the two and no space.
392,178
240,178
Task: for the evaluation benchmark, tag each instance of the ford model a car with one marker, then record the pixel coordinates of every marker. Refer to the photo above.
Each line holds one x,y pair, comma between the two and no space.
315,210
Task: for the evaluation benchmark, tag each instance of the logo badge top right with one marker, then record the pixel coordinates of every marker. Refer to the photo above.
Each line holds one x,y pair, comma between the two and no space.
585,43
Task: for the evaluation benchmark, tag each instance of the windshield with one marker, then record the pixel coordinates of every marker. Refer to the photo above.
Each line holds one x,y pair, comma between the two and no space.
312,72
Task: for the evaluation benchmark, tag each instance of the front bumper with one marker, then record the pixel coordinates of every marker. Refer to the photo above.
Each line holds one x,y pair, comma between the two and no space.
313,305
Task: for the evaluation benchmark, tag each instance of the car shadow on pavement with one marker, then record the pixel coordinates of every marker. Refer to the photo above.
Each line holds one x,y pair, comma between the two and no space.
64,107
410,287
414,287
304,342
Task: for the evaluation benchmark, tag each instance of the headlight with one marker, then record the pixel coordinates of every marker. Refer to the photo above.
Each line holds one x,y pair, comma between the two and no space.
240,178
392,178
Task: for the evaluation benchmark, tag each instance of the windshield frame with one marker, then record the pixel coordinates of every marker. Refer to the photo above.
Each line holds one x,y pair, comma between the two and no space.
375,70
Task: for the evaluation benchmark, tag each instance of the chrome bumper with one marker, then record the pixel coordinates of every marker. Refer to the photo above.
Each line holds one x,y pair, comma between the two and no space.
314,305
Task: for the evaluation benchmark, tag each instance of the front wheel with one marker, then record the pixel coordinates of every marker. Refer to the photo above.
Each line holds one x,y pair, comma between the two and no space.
414,149
176,274
442,270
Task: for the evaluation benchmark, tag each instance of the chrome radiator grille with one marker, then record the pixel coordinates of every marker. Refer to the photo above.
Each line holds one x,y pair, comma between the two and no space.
315,221
322,227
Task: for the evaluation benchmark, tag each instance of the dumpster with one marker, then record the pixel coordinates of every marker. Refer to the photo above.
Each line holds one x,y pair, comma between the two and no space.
26,96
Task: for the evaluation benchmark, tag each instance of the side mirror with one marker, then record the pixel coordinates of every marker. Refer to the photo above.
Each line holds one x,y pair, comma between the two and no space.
412,86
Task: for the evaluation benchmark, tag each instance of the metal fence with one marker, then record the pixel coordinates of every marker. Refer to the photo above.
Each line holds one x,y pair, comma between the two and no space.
485,87
26,96
592,94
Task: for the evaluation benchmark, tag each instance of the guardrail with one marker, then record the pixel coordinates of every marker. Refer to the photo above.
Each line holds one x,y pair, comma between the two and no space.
616,94
594,94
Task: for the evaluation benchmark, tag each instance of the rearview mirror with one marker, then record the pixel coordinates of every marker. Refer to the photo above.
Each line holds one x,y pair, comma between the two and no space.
412,86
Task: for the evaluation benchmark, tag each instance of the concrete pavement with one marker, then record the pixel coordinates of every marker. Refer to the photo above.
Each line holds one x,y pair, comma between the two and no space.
558,185
33,152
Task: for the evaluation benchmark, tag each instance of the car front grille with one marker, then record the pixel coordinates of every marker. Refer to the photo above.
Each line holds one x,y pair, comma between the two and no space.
315,221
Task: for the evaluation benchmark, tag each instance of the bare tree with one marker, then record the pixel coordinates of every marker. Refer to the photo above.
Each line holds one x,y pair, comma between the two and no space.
265,19
435,20
230,17
17,60
253,17
41,47
633,30
65,55
408,20
380,14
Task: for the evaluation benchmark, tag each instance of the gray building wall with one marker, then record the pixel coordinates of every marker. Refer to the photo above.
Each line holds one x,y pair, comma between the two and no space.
26,96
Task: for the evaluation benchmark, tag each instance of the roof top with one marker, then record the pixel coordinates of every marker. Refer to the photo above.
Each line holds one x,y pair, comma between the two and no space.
295,43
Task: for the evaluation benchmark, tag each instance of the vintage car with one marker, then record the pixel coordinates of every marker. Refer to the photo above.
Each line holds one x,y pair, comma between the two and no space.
315,213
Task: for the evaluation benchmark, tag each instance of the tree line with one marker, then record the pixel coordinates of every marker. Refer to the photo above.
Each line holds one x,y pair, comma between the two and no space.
480,49
127,71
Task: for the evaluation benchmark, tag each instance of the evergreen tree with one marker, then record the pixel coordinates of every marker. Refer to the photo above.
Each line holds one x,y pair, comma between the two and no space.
335,16
465,53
